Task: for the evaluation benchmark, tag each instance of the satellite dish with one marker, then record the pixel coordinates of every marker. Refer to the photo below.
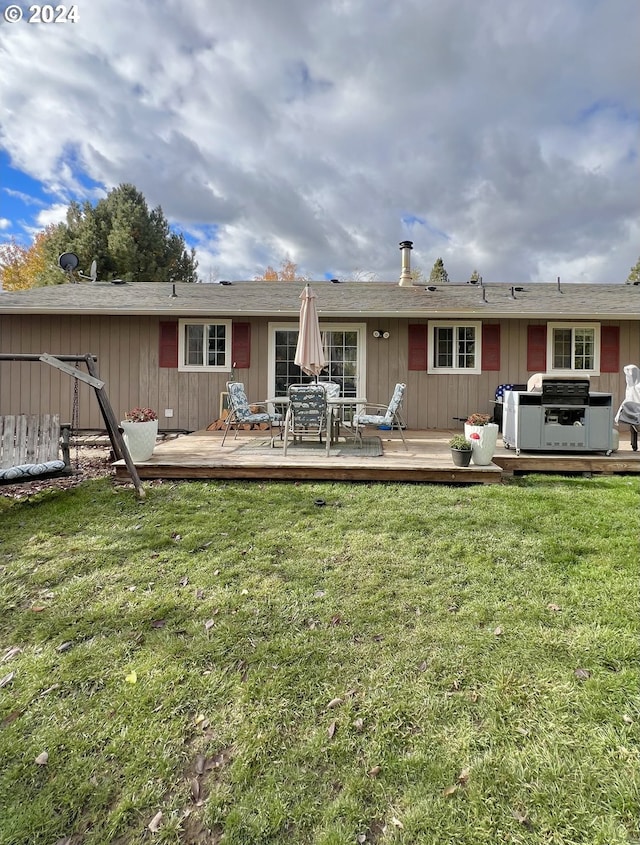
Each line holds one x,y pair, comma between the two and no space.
94,270
68,261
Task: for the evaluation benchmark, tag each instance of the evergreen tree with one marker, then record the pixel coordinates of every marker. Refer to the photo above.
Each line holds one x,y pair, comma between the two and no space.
634,275
438,275
474,278
125,238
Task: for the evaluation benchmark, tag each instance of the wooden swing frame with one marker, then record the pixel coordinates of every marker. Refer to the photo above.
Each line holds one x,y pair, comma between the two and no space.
64,364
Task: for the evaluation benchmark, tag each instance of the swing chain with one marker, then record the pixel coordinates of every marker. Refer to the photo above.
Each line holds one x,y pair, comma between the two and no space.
75,421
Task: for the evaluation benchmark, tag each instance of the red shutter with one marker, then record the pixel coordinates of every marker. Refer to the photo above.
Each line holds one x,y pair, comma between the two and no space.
610,349
168,350
417,347
536,349
241,346
491,346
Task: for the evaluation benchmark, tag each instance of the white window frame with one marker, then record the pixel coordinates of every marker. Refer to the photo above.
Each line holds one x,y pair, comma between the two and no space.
203,368
431,347
573,326
361,328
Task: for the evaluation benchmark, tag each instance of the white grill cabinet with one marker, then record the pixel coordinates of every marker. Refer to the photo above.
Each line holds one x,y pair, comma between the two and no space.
561,417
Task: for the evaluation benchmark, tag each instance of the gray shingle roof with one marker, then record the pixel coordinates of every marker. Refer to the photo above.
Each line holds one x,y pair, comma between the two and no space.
348,299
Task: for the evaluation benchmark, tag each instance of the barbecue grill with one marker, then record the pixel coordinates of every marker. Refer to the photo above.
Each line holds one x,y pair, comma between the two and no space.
560,415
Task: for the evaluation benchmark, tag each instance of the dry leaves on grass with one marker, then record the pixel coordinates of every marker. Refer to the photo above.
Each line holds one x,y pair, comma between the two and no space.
7,679
463,777
461,780
522,818
13,652
156,822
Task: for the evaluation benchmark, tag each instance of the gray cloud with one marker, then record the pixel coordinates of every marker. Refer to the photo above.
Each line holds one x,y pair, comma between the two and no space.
509,129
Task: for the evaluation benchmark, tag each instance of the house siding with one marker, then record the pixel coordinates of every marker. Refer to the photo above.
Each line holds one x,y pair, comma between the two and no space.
127,348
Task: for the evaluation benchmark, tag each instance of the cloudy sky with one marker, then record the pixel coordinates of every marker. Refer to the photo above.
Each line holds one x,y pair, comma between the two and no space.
500,135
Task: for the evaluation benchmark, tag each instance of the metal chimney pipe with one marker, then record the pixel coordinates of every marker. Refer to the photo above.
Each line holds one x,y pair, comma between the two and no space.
405,276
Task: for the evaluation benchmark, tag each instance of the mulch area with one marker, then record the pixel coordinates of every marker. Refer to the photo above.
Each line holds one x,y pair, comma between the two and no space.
90,462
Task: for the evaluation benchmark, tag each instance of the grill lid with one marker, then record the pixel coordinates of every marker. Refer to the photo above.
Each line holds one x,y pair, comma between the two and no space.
565,391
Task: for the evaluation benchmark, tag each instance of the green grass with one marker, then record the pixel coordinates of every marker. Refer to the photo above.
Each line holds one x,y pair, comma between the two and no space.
449,622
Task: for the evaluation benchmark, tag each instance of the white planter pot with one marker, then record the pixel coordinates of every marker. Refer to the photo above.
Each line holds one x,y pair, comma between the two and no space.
140,438
482,450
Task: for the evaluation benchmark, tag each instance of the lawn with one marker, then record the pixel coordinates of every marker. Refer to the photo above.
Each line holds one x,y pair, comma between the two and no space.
235,663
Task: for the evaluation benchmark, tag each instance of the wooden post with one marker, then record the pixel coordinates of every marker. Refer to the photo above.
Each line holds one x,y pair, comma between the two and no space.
115,434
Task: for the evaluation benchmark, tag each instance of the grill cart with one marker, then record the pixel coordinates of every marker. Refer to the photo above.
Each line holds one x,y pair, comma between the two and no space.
559,415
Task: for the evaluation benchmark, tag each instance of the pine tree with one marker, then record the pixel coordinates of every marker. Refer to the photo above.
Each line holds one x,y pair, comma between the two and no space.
634,275
474,278
125,238
438,275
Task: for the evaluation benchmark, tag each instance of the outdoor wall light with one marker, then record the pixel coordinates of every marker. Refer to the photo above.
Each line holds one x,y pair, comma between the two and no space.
381,334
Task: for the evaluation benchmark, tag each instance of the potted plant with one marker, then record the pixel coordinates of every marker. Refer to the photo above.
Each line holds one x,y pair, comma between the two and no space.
483,435
460,450
140,430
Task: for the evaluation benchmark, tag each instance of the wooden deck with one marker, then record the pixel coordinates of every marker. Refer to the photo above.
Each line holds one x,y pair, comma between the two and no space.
200,456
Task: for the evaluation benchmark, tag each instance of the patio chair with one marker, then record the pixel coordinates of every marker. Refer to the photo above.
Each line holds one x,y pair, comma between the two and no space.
332,390
629,410
307,413
387,415
241,411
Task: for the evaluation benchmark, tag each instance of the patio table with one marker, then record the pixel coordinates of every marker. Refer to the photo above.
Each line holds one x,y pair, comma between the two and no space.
336,404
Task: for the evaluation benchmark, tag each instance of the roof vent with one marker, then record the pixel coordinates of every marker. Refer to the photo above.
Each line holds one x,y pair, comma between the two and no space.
224,282
118,282
335,281
431,288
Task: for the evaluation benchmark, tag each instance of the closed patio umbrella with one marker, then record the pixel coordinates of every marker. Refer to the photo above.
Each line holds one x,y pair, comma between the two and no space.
309,351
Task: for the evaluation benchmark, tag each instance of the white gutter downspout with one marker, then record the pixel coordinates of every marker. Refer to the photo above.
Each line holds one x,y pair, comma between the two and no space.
405,276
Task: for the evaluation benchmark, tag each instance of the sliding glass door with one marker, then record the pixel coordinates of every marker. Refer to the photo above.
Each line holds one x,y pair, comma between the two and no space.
343,349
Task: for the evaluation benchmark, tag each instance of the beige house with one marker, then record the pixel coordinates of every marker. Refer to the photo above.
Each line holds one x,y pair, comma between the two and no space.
174,347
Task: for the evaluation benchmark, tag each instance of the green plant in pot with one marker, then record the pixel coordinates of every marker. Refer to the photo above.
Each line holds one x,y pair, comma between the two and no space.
460,450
